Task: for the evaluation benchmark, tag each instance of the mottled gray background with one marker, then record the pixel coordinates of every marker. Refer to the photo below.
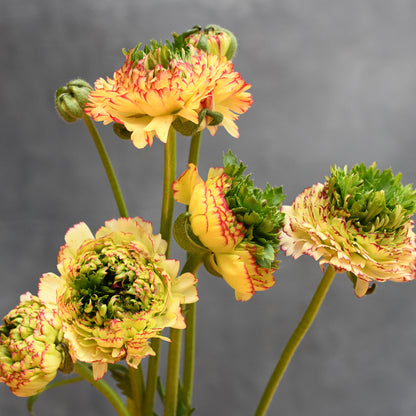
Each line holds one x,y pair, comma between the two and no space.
334,81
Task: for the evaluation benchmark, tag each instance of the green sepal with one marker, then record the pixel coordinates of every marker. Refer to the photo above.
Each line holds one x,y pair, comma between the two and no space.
354,278
209,260
67,365
121,131
188,128
185,127
186,239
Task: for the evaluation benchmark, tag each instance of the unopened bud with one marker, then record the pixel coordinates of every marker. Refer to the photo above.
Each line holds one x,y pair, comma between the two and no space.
216,40
72,98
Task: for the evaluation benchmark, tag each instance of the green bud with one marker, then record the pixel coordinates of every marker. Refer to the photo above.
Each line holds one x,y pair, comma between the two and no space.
71,99
213,39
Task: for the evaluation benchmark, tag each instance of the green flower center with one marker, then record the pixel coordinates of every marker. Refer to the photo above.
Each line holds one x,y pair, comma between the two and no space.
111,281
373,201
258,210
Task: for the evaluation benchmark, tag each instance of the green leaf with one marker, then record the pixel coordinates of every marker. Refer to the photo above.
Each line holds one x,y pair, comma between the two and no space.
120,374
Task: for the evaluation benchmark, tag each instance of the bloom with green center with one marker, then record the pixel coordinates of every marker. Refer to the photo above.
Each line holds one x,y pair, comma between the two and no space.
31,346
235,223
166,86
116,291
358,221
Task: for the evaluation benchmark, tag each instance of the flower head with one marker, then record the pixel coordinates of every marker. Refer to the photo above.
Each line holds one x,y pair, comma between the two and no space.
235,223
31,348
116,291
358,221
166,86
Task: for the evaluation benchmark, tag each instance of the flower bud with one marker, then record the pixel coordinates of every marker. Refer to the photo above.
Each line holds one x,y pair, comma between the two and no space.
31,347
215,40
71,99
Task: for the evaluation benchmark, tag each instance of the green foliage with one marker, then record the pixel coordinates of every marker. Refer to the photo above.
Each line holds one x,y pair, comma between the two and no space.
120,374
374,201
258,210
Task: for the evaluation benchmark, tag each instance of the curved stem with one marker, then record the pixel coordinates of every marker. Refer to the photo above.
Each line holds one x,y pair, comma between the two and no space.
84,371
107,166
295,340
165,230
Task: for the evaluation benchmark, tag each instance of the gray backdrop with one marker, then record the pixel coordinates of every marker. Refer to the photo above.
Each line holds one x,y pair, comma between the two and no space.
334,82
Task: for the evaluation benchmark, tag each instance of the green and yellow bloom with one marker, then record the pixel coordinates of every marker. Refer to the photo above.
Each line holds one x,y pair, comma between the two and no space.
31,346
358,221
165,86
116,291
235,223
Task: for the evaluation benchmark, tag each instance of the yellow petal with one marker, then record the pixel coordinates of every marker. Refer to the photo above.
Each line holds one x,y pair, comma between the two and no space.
185,185
235,273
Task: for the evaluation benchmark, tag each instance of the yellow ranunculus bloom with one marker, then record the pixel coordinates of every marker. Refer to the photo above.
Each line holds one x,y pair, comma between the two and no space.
357,222
217,228
116,290
147,101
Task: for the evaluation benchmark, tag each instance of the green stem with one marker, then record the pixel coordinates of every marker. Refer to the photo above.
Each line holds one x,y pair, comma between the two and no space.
165,230
295,340
107,166
194,148
135,403
174,356
84,371
172,373
192,265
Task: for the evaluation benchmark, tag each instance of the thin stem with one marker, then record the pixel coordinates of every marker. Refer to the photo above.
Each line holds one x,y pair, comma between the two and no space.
84,371
295,340
194,148
174,356
169,176
107,166
165,230
172,374
192,265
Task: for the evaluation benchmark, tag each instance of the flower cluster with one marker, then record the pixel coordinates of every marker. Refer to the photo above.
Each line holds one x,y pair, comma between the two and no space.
236,223
166,86
358,221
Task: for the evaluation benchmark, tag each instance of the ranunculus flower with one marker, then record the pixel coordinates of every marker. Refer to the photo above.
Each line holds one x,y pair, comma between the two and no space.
116,291
237,224
31,349
358,221
165,86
